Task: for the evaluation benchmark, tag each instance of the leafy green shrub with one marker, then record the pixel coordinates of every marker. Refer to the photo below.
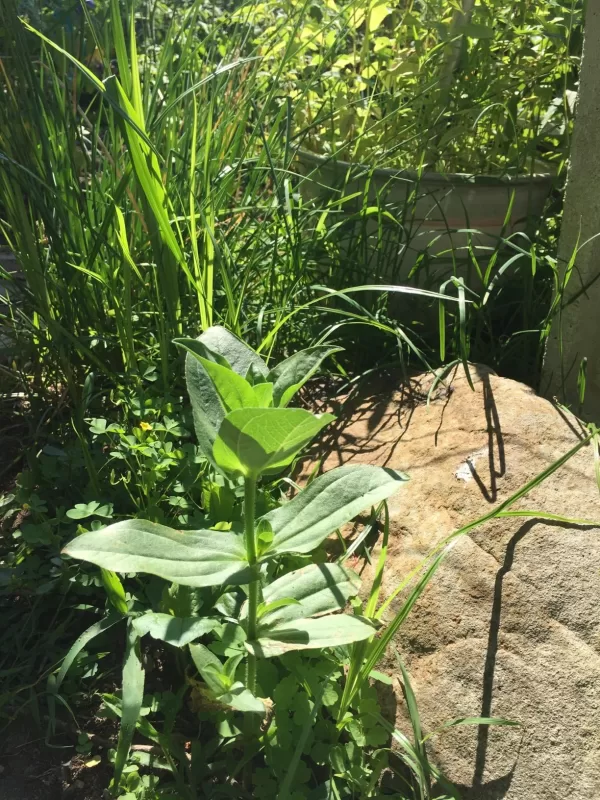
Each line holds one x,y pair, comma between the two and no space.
456,87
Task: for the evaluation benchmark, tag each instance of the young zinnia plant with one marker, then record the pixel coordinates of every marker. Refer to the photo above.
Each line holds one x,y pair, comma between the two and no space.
247,432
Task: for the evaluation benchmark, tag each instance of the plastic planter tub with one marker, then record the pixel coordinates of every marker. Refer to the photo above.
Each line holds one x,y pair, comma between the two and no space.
430,218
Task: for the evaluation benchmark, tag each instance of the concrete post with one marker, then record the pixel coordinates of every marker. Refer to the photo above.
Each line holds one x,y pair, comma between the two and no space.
576,332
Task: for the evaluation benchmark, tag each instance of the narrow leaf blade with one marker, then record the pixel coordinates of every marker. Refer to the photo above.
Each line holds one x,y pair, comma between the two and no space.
94,630
133,695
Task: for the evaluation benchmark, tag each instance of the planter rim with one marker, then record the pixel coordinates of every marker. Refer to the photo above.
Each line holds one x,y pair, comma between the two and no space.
430,177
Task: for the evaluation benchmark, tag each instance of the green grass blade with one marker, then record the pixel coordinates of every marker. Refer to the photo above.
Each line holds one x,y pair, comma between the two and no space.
285,790
133,695
502,507
86,637
118,35
460,721
81,67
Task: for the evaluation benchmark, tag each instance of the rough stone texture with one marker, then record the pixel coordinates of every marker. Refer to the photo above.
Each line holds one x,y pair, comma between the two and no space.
509,626
576,333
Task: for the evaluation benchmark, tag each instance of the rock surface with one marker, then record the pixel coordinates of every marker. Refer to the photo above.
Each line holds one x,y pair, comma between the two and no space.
510,625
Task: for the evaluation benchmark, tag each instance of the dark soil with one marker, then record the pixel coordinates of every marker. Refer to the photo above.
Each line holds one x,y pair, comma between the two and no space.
30,770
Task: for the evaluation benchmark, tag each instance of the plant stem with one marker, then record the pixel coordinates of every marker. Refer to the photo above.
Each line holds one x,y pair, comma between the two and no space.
250,726
249,511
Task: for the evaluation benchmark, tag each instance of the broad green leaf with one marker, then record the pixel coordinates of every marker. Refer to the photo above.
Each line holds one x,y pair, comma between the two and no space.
263,395
231,665
115,591
133,695
329,501
218,501
319,588
290,375
231,640
218,678
264,536
177,631
219,386
233,390
242,699
238,355
209,667
84,510
191,558
377,14
255,376
254,441
207,408
197,349
310,634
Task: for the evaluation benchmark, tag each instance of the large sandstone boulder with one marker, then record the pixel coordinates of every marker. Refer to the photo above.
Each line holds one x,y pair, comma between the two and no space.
510,624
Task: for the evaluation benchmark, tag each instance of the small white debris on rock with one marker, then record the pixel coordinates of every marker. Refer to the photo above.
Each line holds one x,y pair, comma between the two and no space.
466,469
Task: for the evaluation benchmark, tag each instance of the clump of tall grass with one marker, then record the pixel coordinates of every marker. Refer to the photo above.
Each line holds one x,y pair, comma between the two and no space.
140,198
147,185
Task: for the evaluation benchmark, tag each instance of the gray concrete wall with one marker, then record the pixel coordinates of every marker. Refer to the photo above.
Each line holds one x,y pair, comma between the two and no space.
576,332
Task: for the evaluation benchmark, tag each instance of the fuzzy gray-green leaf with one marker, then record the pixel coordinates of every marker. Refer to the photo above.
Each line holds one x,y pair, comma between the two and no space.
191,558
310,634
328,502
207,409
318,588
238,354
177,631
